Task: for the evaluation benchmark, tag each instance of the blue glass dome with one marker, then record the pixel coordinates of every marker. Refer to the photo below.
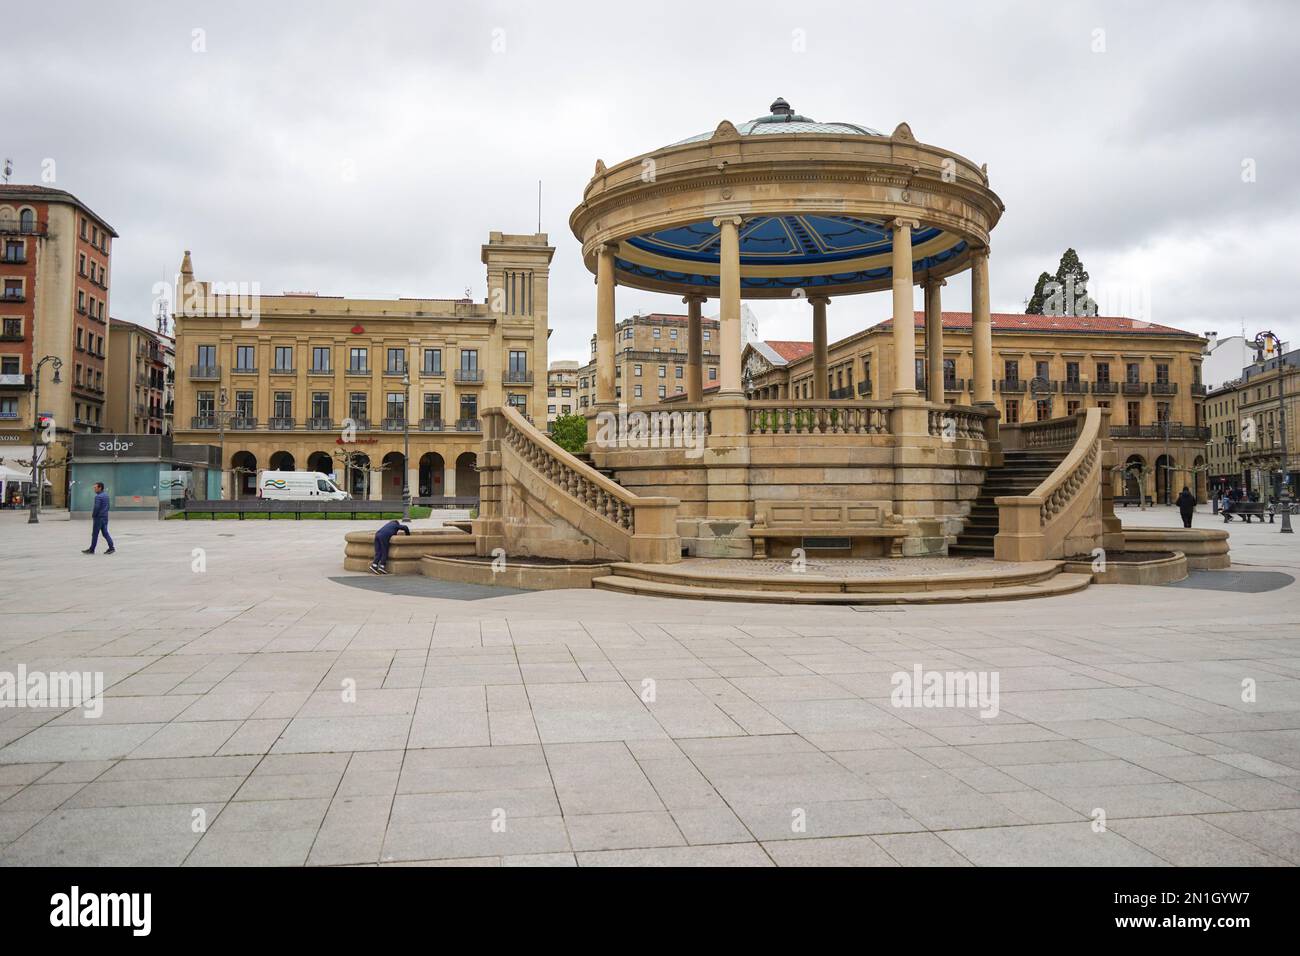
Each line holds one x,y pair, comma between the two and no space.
783,119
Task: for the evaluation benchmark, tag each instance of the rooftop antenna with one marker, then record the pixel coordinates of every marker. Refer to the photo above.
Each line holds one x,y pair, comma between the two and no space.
539,206
9,170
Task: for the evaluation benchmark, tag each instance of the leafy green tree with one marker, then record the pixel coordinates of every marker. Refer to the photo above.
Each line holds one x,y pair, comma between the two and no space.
1065,293
570,433
1039,298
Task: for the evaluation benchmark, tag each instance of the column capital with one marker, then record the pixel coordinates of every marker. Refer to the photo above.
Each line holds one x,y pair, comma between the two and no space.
728,220
979,249
901,222
697,297
819,300
934,282
606,247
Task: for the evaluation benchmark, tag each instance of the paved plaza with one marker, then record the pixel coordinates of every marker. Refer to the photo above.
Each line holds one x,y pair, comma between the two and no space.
585,727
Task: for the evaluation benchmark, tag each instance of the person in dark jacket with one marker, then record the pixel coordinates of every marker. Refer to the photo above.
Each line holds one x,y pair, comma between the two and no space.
1186,506
99,521
382,538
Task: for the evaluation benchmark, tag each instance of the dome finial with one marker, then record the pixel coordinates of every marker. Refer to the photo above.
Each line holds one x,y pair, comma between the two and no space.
780,107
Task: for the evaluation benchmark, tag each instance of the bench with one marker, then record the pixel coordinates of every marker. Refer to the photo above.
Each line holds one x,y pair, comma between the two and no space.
1245,510
847,528
1127,500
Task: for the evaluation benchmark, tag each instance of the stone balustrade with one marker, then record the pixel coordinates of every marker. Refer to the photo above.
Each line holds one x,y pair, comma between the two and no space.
785,417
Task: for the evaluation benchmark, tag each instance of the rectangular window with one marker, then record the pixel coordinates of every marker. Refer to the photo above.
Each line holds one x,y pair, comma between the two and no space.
243,404
1071,408
1103,372
679,371
672,333
518,363
284,358
918,371
1162,373
357,406
244,358
1011,370
433,361
636,391
357,360
283,404
950,374
1043,410
396,406
433,407
518,402
1013,410
469,360
663,391
320,358
656,333
469,406
1133,373
1134,413
320,405
636,370
206,406
663,371
396,360
1072,372
713,373
1041,370
1162,413
207,356
9,365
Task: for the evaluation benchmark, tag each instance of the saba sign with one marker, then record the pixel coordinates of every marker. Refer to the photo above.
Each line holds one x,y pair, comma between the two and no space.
101,447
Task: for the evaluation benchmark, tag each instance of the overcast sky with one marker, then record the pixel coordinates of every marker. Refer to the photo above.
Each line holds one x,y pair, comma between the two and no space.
367,149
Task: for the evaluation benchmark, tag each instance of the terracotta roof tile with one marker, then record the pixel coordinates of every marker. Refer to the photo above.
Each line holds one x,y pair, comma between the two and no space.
790,351
1019,322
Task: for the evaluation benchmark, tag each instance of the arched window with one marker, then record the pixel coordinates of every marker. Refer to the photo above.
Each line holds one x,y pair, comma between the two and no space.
27,220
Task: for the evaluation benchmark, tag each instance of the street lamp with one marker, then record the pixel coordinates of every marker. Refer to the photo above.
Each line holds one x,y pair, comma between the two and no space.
221,429
1260,340
33,516
406,444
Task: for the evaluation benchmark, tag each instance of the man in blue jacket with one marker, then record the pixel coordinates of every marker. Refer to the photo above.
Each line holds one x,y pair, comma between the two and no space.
99,521
382,537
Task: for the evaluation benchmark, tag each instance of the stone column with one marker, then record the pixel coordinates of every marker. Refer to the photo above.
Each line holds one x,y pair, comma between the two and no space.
904,318
934,340
821,385
729,385
605,325
449,478
694,349
981,329
413,481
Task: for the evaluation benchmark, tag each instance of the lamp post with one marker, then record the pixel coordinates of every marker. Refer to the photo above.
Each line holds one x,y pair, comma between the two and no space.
1261,340
406,444
221,429
33,516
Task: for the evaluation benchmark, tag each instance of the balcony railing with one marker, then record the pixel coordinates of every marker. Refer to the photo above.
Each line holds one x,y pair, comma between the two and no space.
840,393
1198,389
431,424
361,424
1177,431
469,425
1164,388
430,371
1044,386
469,376
1069,387
358,370
280,423
954,384
12,295
281,370
16,380
1015,385
13,260
517,376
394,424
205,373
244,370
1134,388
203,421
320,370
1105,388
395,370
864,388
13,227
11,337
320,424
241,424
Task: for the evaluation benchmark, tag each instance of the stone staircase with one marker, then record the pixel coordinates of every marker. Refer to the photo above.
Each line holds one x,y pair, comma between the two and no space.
1021,473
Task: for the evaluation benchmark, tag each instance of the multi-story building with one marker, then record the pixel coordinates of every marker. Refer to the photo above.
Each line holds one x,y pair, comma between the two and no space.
650,360
1266,386
138,390
561,390
1044,367
329,384
55,264
1224,423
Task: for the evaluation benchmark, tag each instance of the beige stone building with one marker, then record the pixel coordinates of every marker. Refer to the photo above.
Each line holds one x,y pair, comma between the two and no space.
1223,420
55,274
139,399
329,384
1265,387
561,390
650,361
1044,367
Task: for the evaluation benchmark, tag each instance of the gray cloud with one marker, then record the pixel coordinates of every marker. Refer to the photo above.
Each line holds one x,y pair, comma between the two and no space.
368,149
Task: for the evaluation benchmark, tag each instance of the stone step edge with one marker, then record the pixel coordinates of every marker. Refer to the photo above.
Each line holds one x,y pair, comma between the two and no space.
1057,585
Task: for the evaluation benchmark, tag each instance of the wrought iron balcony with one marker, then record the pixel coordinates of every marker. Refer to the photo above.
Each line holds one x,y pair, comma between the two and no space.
469,425
1074,387
1164,388
469,376
15,227
205,373
281,370
1105,388
1044,386
244,370
360,424
1014,385
394,370
864,388
517,376
358,370
243,424
1199,390
1177,431
320,370
954,384
1134,388
430,371
394,424
431,424
13,295
203,421
280,423
320,424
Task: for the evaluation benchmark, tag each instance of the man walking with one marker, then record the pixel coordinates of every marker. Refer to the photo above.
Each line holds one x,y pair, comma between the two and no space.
1186,506
99,521
382,538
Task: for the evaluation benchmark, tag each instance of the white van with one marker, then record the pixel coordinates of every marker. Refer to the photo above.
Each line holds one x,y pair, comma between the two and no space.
298,486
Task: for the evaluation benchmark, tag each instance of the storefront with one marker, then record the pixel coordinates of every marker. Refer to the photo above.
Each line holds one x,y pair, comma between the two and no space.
140,472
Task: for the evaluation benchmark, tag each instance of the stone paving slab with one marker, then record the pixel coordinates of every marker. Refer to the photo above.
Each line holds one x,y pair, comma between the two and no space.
278,716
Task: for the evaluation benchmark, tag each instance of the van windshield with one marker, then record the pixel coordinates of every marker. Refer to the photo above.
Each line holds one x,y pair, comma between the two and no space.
324,485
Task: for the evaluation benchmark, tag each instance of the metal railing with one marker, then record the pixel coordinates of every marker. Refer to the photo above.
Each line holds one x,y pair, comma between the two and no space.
15,227
1164,388
469,376
431,424
205,373
394,424
280,423
243,424
469,425
515,376
1105,388
320,424
1134,388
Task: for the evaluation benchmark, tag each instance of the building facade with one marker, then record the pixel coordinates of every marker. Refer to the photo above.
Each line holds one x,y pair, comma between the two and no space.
1224,422
55,269
561,390
1043,367
336,385
1267,388
139,400
650,360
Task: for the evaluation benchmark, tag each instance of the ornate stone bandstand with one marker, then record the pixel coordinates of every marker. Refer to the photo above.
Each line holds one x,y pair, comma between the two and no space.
778,207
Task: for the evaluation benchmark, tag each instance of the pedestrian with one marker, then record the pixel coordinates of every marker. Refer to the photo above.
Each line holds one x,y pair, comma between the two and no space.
1225,506
1186,506
99,521
382,537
